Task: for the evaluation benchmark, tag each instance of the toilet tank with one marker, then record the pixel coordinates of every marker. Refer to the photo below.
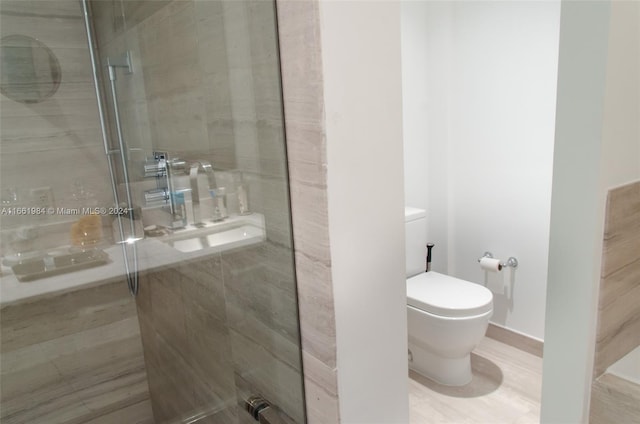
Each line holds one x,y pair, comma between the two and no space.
415,227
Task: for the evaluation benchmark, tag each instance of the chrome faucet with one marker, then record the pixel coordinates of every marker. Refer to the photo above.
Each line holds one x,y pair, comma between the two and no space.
194,170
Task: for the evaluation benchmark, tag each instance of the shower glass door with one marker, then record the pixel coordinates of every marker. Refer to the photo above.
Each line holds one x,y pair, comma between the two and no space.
147,265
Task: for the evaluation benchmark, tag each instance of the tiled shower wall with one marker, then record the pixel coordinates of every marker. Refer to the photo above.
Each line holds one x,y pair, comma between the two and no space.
57,142
211,337
206,87
73,358
301,61
232,138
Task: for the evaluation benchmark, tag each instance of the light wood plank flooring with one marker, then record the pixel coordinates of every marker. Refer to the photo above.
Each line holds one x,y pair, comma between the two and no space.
614,400
506,388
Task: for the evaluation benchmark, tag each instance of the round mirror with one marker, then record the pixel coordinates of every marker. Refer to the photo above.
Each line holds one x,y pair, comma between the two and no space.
30,71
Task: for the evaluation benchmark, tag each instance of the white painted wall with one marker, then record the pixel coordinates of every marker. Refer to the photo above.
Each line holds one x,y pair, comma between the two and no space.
597,148
621,130
486,115
416,76
363,106
426,78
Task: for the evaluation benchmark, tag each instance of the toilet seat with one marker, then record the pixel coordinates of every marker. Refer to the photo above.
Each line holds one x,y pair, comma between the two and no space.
447,296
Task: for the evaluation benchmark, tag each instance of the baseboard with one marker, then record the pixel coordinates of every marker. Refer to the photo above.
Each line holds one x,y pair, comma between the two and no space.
517,340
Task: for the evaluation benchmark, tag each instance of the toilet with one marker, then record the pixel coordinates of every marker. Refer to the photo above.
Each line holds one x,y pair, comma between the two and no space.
446,317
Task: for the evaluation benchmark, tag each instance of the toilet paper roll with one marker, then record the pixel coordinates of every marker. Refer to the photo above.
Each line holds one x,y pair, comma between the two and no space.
490,264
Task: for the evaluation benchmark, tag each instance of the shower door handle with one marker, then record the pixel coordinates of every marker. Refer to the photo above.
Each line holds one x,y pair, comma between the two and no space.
262,411
269,415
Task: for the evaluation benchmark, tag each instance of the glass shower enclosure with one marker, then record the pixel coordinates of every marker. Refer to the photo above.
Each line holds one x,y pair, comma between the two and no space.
147,261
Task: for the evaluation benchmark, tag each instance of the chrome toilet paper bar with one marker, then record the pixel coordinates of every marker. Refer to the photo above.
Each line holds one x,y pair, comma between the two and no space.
511,262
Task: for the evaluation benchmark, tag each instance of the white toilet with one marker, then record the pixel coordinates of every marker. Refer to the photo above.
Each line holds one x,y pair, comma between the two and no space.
447,317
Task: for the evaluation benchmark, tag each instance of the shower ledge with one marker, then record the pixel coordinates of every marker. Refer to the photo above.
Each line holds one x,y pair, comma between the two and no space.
215,236
153,254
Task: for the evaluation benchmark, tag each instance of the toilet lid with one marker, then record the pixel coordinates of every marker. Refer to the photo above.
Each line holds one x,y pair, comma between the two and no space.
447,296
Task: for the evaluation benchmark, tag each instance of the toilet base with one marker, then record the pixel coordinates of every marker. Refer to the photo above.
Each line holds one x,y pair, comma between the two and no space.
446,371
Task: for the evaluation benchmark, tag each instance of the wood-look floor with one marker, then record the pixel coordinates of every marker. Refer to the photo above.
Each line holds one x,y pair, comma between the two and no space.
614,400
506,388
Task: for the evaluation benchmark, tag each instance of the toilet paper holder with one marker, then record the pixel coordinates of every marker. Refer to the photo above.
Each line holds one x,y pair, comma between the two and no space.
511,262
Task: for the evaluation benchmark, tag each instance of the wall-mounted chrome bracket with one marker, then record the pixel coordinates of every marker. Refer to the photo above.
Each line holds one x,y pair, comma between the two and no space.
123,61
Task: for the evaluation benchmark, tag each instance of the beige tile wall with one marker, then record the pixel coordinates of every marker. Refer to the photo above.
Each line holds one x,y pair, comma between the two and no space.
186,342
619,305
73,358
218,330
56,142
301,63
262,321
177,99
